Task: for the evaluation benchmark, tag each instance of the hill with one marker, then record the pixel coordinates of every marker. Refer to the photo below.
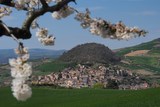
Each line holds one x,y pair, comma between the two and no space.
143,57
153,46
5,54
90,53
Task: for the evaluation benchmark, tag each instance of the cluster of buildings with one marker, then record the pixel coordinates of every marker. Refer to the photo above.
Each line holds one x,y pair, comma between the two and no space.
86,76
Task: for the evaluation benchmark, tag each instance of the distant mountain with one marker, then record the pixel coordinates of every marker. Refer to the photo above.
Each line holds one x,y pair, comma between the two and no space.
90,53
5,54
153,47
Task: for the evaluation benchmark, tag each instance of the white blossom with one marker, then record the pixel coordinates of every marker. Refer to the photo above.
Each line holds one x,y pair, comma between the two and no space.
34,24
84,18
49,1
19,60
18,6
25,57
30,4
13,62
5,11
100,27
33,3
44,38
42,32
21,2
23,71
20,71
105,29
49,40
22,51
56,15
57,1
21,90
63,12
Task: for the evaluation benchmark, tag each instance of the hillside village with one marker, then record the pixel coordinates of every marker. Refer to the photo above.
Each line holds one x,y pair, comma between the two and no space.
113,77
143,57
85,76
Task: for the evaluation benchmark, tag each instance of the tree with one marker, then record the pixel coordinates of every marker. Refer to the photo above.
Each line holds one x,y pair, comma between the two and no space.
20,69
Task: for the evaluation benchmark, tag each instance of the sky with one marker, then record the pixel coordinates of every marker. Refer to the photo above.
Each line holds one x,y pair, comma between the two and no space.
144,14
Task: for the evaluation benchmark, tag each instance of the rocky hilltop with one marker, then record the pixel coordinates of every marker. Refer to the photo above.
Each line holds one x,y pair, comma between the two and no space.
90,53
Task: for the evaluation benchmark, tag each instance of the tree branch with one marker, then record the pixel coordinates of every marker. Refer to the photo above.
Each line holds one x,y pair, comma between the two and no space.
7,2
10,4
44,4
37,13
24,32
17,32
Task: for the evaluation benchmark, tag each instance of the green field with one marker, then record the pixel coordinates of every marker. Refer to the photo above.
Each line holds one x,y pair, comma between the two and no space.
149,62
47,97
54,66
143,62
144,46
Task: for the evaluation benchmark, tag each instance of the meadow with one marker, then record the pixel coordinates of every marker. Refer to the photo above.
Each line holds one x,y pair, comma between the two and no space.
143,62
48,97
53,66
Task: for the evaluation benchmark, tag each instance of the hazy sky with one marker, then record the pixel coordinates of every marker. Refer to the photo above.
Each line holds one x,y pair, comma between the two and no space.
68,32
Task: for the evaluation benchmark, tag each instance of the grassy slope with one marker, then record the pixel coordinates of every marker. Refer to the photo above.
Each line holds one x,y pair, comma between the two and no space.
43,97
143,62
143,46
149,62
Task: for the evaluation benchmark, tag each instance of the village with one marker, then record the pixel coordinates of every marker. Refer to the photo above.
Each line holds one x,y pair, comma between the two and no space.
84,76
